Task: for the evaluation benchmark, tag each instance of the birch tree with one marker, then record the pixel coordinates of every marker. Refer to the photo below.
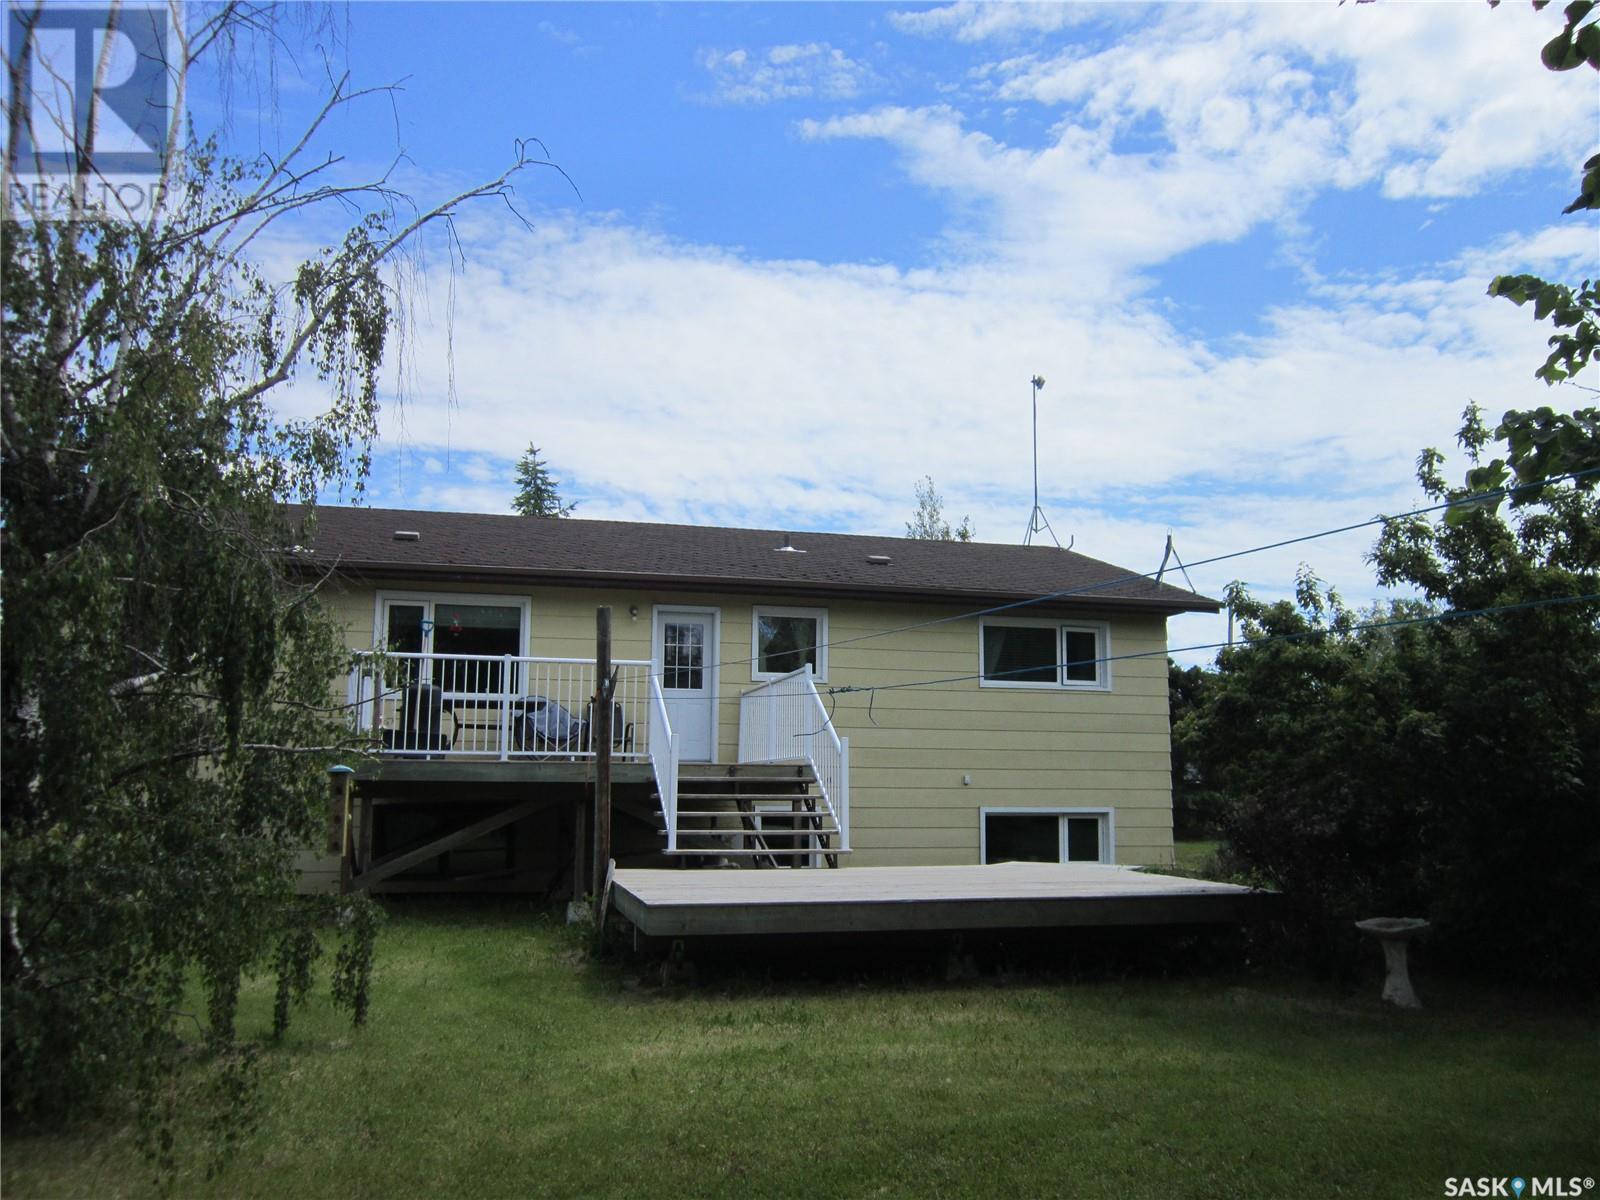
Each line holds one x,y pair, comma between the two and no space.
168,700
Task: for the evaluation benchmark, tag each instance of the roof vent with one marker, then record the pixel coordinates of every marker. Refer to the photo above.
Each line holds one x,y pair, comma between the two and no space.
878,560
407,535
788,547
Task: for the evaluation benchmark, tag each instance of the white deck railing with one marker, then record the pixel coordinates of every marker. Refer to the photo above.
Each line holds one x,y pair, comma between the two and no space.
664,761
499,706
784,720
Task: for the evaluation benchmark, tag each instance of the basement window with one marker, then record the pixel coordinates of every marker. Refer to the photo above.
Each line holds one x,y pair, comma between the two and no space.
1023,653
1047,835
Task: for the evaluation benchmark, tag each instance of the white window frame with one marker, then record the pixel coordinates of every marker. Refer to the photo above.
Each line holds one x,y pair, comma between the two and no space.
820,615
1102,641
1108,828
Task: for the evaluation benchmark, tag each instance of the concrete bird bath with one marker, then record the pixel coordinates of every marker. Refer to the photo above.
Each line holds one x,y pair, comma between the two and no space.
1393,933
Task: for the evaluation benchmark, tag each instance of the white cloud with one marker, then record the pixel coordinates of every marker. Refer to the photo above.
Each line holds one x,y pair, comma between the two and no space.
979,20
1209,121
556,33
484,470
678,382
788,72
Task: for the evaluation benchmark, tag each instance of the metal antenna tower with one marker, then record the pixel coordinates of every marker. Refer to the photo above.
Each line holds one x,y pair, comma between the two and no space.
1037,521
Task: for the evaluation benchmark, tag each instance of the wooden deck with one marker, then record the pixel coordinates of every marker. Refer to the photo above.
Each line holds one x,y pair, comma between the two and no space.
440,771
708,903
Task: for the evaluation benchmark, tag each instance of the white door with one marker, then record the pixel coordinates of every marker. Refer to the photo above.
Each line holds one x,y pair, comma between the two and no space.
686,651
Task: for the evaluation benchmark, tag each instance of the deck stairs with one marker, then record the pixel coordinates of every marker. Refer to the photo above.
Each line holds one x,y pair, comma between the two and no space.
753,815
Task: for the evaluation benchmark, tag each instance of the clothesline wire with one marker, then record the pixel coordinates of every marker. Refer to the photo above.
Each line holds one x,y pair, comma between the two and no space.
1472,500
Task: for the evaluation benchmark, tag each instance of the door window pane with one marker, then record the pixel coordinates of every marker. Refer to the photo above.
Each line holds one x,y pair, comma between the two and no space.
683,654
404,635
474,629
1020,653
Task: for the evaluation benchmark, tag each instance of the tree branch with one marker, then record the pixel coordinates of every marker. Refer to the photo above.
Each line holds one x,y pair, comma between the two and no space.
285,366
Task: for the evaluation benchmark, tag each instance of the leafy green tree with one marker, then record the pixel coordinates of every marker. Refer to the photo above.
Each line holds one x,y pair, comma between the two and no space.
1514,841
538,491
1543,443
1306,736
1397,765
928,523
166,704
1194,812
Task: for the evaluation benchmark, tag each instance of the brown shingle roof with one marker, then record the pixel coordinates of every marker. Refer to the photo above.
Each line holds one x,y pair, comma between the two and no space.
482,546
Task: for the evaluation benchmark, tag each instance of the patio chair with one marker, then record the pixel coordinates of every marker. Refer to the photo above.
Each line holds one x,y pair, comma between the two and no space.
621,727
539,723
421,732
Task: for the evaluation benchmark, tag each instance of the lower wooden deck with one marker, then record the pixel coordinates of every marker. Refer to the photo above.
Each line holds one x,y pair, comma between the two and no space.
708,903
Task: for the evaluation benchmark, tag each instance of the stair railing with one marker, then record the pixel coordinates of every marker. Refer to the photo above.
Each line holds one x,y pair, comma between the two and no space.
664,760
785,720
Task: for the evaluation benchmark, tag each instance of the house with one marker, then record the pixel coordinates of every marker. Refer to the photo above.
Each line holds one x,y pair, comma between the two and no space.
783,698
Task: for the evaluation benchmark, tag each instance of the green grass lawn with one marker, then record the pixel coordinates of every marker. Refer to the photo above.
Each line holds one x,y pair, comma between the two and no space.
498,1063
1194,857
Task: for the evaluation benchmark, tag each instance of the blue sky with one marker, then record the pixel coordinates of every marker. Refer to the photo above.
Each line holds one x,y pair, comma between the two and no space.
821,249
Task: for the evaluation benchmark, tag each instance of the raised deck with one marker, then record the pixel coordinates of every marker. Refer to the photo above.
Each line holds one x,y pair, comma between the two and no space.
453,771
461,729
890,899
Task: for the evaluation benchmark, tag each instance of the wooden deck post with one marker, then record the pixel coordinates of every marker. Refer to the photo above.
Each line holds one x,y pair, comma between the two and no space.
600,738
364,841
580,848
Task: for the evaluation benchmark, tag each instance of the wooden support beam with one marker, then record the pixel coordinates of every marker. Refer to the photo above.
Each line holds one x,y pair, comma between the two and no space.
602,906
600,739
434,887
580,850
394,864
364,853
443,773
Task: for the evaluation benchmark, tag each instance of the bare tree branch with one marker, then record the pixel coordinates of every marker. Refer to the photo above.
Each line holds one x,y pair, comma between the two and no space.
284,368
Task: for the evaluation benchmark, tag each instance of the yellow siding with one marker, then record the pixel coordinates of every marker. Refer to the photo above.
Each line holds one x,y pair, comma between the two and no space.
909,754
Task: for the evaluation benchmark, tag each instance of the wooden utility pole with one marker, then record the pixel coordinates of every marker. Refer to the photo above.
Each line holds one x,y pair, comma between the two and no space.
604,690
